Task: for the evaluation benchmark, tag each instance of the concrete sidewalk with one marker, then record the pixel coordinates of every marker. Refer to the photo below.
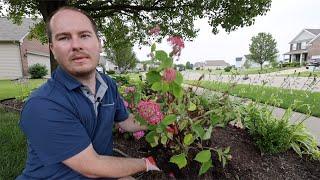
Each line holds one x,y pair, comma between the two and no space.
312,123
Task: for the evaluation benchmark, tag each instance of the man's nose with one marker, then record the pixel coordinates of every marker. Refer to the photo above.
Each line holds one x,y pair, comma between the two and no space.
76,44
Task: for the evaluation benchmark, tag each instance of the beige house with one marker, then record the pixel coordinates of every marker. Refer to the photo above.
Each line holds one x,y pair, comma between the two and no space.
17,52
304,47
211,64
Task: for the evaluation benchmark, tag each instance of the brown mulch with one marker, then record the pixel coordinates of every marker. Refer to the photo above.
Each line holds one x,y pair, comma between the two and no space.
12,104
247,161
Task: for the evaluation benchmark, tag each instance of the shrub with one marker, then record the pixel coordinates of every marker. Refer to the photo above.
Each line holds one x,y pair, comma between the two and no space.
228,68
111,72
270,135
273,135
38,71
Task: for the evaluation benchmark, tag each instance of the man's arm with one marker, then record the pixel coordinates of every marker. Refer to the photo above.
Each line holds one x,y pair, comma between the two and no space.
93,165
131,125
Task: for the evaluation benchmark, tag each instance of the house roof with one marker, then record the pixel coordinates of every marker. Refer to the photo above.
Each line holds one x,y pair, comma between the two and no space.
216,63
314,31
14,32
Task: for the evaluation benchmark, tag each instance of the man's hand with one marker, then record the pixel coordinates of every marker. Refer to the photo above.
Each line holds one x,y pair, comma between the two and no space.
151,164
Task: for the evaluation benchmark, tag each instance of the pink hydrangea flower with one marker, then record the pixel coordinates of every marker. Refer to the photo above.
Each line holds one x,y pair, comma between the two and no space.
169,75
150,111
177,44
138,134
130,89
155,30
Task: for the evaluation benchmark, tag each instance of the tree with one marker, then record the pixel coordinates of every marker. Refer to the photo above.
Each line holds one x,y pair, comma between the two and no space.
263,49
123,57
174,17
189,65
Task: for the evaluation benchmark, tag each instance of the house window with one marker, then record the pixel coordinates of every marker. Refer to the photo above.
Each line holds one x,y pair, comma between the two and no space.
298,46
294,47
304,45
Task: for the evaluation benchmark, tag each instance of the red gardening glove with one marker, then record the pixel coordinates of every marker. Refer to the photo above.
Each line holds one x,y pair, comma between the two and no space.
151,164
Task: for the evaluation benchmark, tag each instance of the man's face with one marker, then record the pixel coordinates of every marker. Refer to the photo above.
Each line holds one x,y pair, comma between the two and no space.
74,43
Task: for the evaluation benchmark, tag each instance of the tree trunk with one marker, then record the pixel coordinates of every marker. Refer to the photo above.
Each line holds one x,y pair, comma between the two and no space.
46,8
260,66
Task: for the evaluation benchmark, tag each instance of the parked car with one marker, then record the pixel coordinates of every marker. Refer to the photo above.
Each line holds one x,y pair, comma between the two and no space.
313,64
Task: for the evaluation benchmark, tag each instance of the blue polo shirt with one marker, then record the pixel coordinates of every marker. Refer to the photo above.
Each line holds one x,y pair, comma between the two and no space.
60,121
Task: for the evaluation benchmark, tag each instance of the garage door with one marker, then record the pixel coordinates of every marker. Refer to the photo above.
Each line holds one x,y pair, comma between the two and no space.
38,58
10,62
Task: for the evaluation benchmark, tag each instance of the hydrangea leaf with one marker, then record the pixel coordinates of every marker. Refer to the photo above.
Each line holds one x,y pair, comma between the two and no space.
203,156
179,160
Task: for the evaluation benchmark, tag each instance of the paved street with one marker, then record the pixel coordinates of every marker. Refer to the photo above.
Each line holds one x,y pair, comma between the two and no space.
276,79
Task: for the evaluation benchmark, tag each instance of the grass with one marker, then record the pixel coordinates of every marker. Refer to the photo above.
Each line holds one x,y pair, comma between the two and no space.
12,145
306,74
264,94
242,72
10,89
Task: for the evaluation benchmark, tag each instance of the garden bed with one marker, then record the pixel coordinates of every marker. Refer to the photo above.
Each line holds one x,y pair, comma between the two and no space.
247,161
11,104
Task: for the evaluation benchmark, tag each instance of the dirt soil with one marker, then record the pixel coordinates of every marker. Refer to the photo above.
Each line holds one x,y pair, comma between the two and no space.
12,104
247,161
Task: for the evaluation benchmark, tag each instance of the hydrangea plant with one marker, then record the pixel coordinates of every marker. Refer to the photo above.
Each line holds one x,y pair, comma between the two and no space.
175,118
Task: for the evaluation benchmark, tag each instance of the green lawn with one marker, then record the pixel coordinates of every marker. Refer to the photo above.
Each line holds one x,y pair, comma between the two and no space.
9,89
265,94
12,146
306,74
242,72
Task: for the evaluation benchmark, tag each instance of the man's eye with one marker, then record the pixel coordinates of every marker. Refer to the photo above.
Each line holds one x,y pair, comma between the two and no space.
85,35
63,38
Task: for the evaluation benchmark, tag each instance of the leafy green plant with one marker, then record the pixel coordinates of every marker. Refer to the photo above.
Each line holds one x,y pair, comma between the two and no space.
38,71
177,120
23,89
273,135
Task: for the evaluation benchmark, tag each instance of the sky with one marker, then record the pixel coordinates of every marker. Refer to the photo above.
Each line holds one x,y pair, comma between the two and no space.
285,20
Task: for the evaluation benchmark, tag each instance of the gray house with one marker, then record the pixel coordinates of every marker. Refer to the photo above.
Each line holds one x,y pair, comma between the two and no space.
17,52
304,47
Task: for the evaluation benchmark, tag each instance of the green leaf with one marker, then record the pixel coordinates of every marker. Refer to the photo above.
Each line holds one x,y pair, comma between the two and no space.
177,90
188,139
203,156
161,55
164,140
179,78
192,106
182,124
153,47
157,86
214,119
207,135
179,160
169,119
296,148
165,87
198,130
166,63
152,138
153,76
205,167
227,150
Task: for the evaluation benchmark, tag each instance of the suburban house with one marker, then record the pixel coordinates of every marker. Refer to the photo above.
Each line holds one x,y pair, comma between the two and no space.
106,63
211,64
17,52
304,47
239,62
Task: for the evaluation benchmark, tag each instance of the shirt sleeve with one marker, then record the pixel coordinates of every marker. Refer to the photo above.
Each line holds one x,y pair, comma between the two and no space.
121,110
52,130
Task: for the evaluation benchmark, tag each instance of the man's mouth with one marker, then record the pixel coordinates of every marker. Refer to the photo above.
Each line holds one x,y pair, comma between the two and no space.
79,59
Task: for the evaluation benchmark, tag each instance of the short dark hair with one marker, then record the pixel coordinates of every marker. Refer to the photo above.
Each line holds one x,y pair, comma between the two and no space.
48,28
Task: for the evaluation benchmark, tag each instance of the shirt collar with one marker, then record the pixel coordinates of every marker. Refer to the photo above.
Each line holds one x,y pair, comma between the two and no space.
66,79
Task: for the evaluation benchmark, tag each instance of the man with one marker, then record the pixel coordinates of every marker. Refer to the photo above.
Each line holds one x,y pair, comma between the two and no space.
68,121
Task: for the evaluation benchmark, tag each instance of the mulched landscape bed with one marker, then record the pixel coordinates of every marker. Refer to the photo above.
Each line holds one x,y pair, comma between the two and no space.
247,161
